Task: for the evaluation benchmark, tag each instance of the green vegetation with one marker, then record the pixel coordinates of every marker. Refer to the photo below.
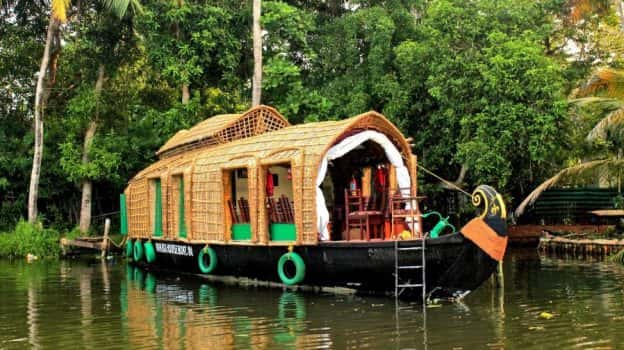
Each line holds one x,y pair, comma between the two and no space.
30,239
490,91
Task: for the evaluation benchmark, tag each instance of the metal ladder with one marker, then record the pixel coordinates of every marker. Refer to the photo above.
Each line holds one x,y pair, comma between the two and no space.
412,214
399,285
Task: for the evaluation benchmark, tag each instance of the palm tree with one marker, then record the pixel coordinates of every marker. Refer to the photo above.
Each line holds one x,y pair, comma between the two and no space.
604,92
46,79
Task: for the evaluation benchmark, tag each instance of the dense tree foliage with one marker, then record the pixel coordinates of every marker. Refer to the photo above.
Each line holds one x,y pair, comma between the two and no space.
480,85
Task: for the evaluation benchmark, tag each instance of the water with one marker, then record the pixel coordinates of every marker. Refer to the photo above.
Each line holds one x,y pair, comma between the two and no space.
77,304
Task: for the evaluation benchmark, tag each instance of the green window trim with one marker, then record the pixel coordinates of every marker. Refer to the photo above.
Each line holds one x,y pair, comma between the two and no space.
158,227
181,213
123,229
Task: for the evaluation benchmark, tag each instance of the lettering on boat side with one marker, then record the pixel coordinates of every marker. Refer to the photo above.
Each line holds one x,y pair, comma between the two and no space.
174,249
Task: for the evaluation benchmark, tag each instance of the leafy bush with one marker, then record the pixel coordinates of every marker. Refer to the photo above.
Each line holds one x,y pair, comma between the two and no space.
27,238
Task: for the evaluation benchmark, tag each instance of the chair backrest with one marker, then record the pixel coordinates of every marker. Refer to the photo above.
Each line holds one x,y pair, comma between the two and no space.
273,210
287,209
353,201
233,213
243,206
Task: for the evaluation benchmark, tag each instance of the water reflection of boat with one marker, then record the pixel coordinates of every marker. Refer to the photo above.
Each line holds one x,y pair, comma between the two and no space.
326,204
177,315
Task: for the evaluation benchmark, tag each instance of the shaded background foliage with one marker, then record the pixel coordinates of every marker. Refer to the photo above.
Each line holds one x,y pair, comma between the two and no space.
478,84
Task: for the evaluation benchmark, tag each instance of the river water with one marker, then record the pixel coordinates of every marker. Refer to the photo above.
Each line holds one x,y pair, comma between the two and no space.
94,305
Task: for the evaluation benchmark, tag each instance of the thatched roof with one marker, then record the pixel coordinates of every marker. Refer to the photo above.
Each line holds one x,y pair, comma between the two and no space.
224,128
303,146
313,138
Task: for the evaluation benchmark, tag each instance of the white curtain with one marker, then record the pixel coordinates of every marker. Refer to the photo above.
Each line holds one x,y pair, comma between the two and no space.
345,146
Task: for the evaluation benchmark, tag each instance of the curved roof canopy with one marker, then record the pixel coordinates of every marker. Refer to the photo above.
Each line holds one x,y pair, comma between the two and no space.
313,139
224,128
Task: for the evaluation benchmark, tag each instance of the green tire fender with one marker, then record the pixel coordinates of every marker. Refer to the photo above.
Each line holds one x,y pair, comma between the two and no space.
207,260
129,247
300,268
150,252
137,251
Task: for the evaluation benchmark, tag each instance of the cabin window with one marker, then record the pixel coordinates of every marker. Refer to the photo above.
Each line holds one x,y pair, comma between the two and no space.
280,202
238,213
157,205
178,222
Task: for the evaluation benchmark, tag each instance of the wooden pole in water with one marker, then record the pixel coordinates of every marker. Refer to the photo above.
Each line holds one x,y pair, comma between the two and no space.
104,246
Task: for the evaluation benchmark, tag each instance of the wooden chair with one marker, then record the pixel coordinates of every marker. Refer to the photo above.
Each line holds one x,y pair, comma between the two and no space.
233,213
358,215
243,206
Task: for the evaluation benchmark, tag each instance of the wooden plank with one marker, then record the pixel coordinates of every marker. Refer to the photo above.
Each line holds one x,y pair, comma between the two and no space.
83,244
609,212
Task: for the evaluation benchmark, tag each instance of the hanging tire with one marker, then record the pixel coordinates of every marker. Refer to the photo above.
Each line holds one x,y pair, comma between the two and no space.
150,252
207,260
291,268
129,248
137,251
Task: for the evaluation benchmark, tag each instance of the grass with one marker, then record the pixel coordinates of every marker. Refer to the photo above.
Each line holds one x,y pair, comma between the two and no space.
29,238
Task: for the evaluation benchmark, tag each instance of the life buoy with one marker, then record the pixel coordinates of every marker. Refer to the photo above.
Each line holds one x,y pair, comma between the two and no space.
150,252
129,248
207,260
137,254
286,273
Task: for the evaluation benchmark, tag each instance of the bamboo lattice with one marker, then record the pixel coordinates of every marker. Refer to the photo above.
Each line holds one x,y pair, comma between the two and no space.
252,147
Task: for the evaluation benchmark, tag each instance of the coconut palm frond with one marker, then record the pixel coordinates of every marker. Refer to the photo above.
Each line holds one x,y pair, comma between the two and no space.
612,120
59,10
604,103
618,257
135,7
608,80
571,171
121,7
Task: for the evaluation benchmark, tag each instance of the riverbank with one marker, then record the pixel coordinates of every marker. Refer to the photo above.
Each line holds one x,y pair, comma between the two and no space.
30,240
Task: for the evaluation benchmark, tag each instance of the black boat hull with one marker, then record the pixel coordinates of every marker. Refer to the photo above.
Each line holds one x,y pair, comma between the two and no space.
455,266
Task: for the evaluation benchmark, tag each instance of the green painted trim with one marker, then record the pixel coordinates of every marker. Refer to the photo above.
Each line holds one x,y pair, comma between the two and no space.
158,229
181,222
282,232
123,215
241,232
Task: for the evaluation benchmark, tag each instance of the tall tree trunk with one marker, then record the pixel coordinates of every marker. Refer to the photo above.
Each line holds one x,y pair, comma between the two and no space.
256,89
41,99
186,94
87,185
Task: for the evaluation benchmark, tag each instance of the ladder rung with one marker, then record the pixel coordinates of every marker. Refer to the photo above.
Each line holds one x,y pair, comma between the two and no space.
411,248
411,267
409,285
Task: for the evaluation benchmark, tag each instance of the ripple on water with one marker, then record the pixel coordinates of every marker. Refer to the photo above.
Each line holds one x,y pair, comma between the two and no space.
80,305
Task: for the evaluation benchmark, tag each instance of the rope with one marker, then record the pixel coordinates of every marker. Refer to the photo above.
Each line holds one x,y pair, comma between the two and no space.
105,214
448,183
121,244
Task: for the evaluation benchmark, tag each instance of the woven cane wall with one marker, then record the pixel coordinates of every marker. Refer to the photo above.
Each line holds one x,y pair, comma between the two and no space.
303,146
138,209
173,205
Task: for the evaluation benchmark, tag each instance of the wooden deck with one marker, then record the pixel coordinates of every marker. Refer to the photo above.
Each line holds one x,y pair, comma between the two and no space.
531,234
591,247
101,244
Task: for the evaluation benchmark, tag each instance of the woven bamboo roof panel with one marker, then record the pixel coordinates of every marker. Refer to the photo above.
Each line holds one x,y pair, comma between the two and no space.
224,128
302,146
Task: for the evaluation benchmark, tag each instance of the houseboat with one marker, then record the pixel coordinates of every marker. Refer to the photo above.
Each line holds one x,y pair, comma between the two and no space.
329,204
